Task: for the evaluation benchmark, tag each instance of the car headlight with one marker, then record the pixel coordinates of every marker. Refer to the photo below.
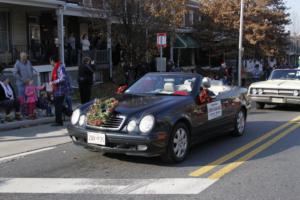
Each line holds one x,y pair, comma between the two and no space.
260,91
254,91
131,126
147,123
82,120
75,116
296,93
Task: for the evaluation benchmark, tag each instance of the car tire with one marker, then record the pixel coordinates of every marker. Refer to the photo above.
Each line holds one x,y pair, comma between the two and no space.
178,145
240,123
260,105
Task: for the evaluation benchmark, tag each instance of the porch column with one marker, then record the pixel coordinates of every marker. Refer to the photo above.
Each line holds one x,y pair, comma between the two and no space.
193,57
109,48
60,33
172,48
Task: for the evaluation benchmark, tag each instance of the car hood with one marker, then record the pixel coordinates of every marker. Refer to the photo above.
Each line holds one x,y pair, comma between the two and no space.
278,84
132,104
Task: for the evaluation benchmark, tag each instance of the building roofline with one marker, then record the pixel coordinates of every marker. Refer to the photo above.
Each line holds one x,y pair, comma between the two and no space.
36,3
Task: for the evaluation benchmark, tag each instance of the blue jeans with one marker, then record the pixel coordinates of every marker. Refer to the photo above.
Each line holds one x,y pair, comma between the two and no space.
21,90
21,98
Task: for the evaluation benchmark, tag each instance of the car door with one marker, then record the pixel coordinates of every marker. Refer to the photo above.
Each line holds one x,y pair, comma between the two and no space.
231,104
199,120
208,117
216,115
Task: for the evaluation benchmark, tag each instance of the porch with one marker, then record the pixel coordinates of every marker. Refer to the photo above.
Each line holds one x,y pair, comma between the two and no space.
42,28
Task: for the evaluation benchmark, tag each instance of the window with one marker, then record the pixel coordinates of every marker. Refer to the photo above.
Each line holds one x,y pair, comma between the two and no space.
4,40
98,77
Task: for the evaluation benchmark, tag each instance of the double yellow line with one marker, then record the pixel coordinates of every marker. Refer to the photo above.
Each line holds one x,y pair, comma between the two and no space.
233,165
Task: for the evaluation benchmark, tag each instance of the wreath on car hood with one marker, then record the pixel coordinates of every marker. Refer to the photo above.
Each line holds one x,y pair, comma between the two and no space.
100,111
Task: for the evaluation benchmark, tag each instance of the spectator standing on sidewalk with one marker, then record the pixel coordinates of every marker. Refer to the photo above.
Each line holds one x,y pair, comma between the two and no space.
68,98
224,73
256,73
31,97
8,100
85,79
267,70
23,71
85,45
60,89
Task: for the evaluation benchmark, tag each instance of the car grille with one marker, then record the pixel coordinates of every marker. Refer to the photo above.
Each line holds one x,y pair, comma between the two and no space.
278,92
113,123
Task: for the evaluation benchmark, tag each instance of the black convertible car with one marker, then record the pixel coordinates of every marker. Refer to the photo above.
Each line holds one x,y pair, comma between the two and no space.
162,114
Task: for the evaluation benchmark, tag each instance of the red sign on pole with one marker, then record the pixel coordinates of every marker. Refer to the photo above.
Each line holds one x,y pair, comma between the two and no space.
162,39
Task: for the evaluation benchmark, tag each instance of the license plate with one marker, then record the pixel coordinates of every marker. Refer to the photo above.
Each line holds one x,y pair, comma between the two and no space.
277,100
96,138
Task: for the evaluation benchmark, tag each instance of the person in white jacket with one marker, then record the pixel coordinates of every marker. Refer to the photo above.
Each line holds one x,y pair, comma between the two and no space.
85,45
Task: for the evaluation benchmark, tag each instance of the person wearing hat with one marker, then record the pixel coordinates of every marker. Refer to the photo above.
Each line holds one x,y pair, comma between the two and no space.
8,100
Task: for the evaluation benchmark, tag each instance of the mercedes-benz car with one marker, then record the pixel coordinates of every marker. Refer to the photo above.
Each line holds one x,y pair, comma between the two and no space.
283,87
159,115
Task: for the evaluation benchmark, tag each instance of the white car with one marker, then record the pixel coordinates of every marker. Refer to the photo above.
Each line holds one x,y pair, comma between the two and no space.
283,87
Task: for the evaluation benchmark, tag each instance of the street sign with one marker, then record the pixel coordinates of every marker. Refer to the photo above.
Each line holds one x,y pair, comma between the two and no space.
162,39
161,43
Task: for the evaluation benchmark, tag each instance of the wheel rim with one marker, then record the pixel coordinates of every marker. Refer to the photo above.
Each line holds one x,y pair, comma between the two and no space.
180,143
241,122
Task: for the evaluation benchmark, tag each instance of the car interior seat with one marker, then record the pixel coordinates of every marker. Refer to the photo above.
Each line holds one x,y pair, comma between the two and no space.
187,86
169,87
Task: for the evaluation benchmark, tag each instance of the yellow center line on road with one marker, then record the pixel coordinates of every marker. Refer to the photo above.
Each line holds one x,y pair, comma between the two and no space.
203,170
230,167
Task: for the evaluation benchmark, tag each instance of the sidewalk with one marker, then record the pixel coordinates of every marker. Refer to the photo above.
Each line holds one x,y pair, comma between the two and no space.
25,123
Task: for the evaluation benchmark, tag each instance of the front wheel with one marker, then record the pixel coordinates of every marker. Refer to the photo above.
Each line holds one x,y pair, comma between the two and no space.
240,123
178,145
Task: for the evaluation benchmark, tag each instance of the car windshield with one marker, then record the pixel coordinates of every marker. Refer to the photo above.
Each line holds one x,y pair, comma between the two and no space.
164,84
292,74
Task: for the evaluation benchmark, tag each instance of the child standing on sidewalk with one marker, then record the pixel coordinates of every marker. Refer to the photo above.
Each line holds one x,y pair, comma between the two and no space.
31,97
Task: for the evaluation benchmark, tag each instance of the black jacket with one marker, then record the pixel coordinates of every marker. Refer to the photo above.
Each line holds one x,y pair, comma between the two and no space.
2,93
85,74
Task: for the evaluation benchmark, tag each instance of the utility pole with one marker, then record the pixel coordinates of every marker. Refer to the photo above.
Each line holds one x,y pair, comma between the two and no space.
241,44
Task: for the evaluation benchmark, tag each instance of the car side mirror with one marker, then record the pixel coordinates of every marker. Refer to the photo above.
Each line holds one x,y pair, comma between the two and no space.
206,82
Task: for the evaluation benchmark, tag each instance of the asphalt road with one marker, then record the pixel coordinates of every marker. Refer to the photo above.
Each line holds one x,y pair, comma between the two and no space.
263,164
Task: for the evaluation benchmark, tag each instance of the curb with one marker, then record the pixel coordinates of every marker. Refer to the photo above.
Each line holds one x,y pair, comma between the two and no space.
25,123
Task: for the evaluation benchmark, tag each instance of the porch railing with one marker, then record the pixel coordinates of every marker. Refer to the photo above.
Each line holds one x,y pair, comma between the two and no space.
38,57
99,56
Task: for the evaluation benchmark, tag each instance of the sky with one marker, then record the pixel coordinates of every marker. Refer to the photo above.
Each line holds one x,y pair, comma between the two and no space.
294,10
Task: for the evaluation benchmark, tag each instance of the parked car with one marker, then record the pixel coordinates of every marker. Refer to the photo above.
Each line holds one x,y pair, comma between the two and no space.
283,87
159,115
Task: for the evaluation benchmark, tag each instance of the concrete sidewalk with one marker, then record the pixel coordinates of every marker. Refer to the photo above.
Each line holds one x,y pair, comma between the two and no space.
25,123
